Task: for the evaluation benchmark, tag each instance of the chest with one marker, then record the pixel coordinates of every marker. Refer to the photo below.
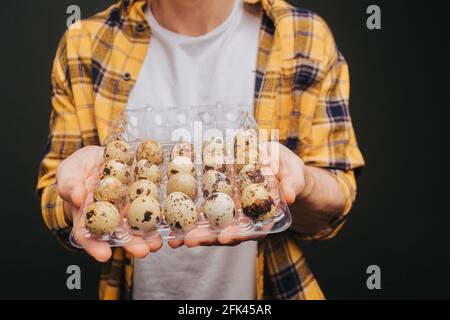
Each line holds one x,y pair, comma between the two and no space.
182,71
272,85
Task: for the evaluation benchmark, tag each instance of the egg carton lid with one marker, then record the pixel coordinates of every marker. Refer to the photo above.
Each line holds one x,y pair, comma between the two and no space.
172,124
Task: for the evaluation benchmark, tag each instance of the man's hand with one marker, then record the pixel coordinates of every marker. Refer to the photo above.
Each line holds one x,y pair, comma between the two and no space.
71,179
289,170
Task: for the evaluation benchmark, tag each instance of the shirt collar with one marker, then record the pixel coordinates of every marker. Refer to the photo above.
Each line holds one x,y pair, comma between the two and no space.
266,4
269,6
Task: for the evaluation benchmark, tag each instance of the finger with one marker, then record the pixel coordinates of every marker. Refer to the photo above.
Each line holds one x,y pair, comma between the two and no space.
99,250
154,242
79,193
230,236
176,243
287,191
137,247
275,157
72,190
200,237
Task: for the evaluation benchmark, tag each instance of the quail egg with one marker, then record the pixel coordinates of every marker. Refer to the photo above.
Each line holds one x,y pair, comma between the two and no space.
246,149
252,174
101,218
152,151
118,169
219,209
215,181
244,138
143,187
213,145
109,189
257,202
144,214
180,212
119,150
145,170
183,182
181,164
215,161
183,149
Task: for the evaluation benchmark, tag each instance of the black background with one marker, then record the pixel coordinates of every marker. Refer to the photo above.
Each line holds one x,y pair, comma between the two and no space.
400,111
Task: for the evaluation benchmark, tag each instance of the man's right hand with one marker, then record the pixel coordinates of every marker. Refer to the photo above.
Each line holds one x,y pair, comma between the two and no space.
71,177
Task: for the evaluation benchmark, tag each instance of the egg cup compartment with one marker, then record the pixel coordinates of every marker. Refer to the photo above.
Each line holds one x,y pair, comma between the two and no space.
170,127
81,236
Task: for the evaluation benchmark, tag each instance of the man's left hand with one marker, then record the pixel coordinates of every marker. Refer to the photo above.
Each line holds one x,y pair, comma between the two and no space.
288,169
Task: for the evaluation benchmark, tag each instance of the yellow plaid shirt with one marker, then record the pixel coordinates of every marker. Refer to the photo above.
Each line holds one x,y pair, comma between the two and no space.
302,89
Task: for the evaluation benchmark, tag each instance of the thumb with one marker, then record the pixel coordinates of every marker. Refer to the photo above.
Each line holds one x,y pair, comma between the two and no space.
73,191
287,191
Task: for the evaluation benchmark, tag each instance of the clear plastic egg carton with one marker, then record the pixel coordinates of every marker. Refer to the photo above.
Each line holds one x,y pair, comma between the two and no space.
198,126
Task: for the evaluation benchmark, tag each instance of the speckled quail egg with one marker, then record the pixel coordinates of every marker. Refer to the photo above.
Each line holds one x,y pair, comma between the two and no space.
252,174
215,161
257,202
145,170
181,164
109,189
101,218
183,182
183,149
118,169
246,137
213,145
143,187
119,150
180,212
219,209
150,150
215,181
246,149
144,214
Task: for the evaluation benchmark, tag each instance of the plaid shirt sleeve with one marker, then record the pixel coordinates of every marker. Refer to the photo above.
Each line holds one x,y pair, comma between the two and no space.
64,138
331,142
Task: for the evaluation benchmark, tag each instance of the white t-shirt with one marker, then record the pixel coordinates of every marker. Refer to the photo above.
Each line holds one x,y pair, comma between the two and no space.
181,70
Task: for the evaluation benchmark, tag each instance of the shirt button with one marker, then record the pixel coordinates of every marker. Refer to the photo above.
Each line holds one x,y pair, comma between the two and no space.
126,76
140,28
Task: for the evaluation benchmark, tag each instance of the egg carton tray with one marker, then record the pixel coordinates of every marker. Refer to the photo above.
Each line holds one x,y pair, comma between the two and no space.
170,126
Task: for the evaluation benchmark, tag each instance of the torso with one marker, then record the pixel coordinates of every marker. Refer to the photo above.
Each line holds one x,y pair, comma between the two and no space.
183,71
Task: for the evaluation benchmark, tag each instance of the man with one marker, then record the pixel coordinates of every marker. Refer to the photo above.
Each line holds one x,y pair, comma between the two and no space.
280,60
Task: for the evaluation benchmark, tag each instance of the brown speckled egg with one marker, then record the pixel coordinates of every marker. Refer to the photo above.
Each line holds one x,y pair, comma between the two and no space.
215,181
183,182
180,212
246,150
118,169
109,189
144,214
145,170
219,209
183,149
213,145
101,218
150,150
257,202
180,165
119,150
252,174
143,187
216,162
